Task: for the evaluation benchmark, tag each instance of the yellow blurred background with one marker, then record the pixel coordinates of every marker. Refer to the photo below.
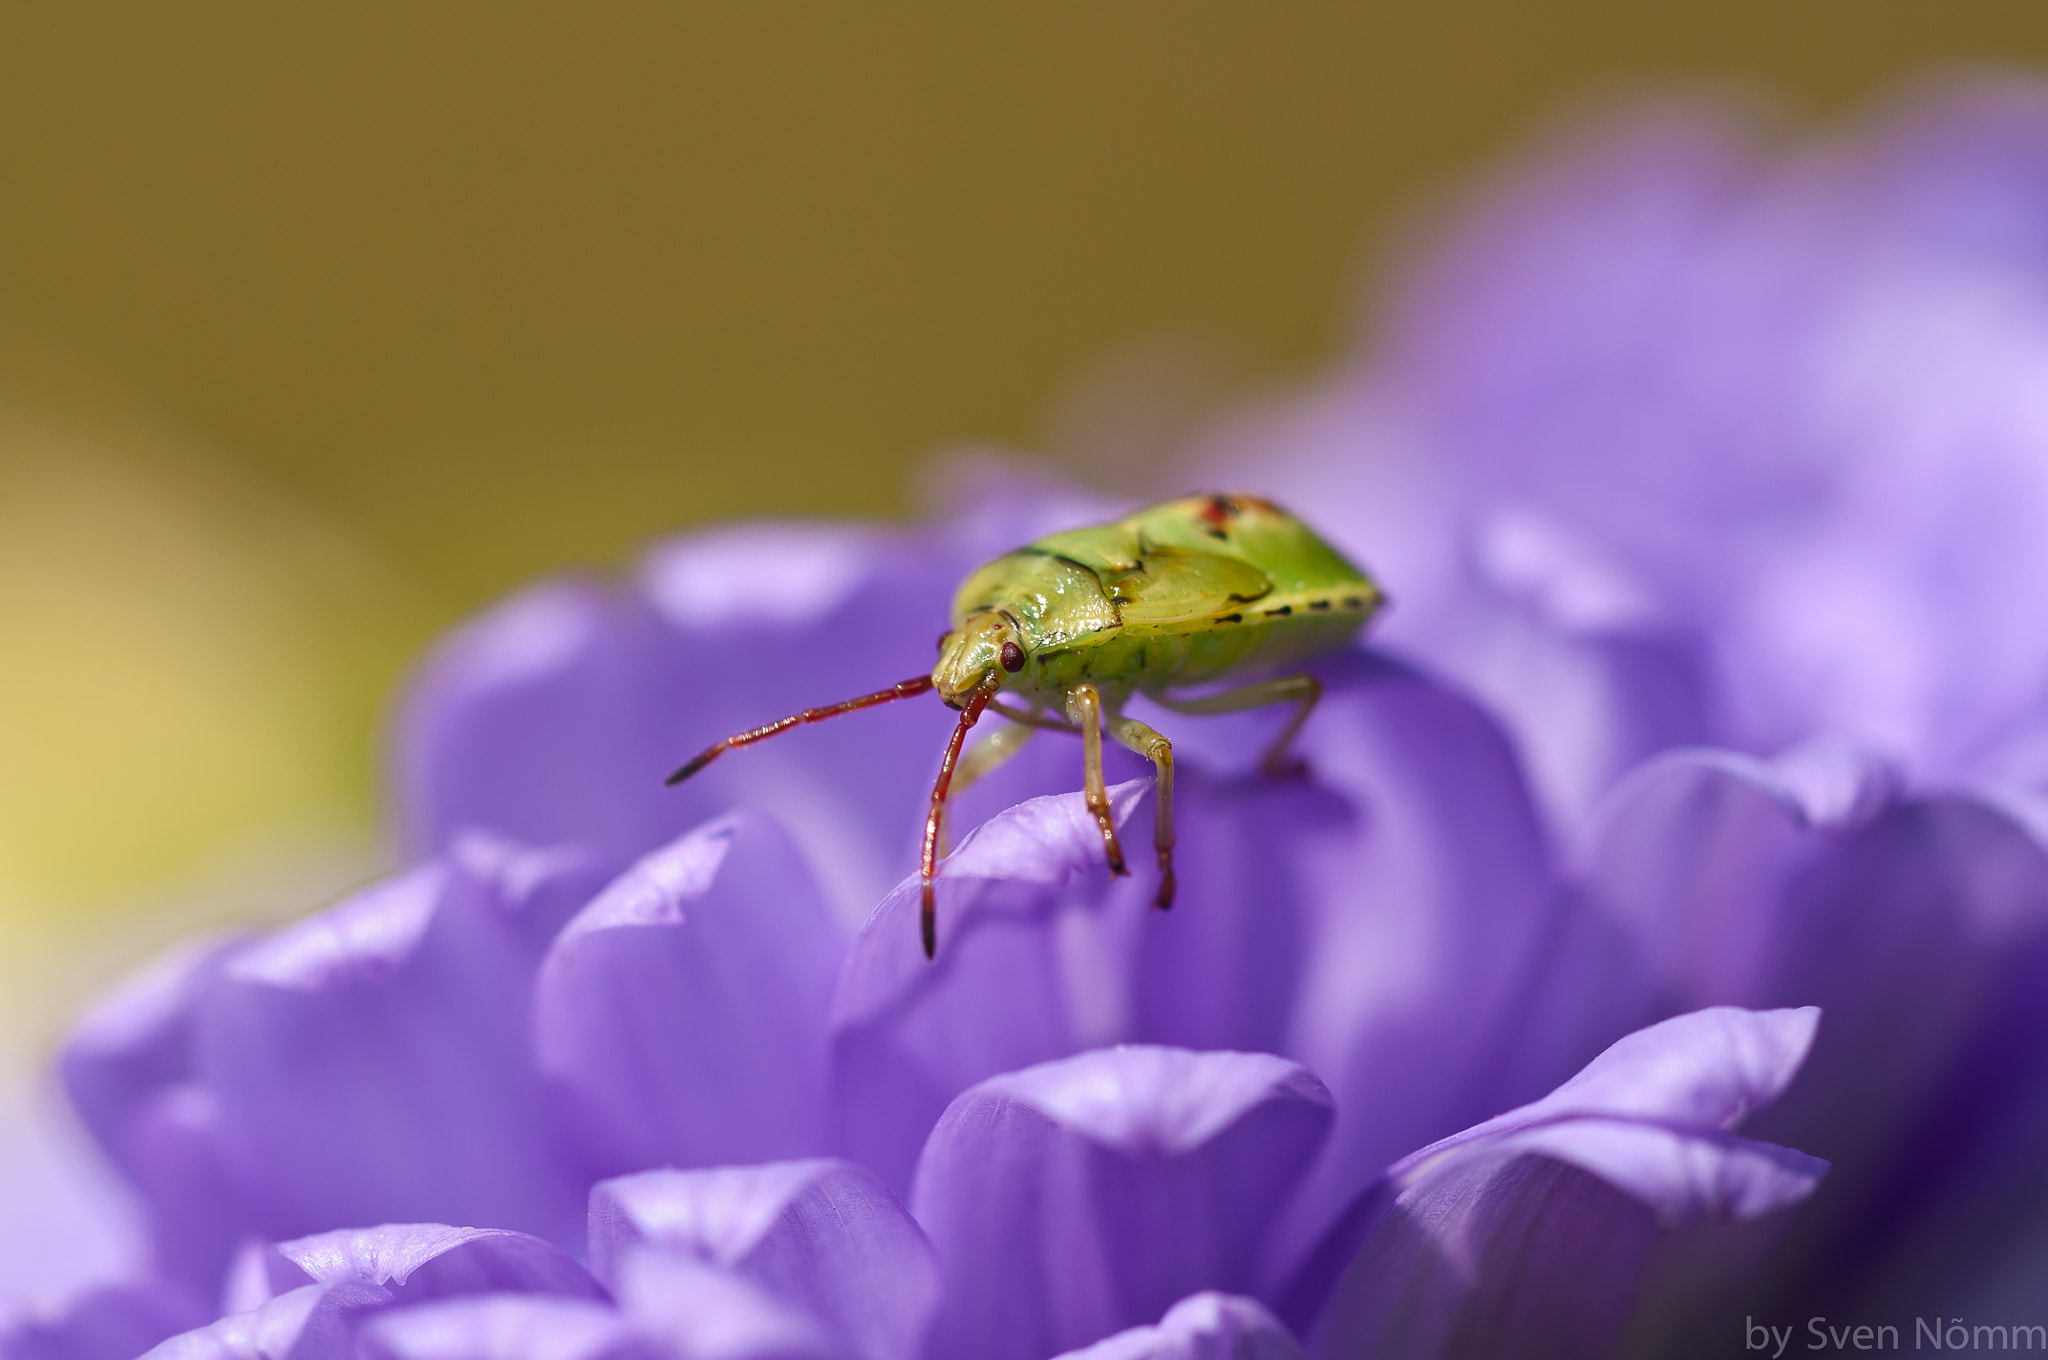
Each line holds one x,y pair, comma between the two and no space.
322,324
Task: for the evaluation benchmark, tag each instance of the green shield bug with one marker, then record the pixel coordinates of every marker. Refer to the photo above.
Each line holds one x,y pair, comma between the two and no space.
1188,592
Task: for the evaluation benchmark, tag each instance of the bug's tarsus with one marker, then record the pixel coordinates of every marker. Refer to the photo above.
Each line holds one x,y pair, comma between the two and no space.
1162,832
1285,765
906,689
1163,899
1138,737
928,863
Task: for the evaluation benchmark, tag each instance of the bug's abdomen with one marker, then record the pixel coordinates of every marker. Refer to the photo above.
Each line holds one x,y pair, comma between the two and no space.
1258,640
1129,659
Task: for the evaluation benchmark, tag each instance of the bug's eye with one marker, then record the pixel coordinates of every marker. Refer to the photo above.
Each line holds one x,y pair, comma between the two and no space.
1012,657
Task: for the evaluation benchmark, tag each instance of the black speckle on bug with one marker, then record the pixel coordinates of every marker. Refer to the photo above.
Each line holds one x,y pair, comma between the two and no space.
1230,618
1064,560
1012,657
1282,612
1222,535
1318,604
1354,602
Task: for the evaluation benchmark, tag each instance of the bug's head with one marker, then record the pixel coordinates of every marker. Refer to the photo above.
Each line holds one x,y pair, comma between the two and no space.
985,647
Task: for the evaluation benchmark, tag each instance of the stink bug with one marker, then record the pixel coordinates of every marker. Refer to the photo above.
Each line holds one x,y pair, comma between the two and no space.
1191,591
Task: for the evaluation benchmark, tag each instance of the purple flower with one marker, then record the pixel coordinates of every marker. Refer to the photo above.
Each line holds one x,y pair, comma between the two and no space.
1638,452
1170,1129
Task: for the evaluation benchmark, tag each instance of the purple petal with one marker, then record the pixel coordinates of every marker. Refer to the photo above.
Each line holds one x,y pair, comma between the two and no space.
557,716
199,1080
1205,1326
1080,1197
1534,1232
1672,904
314,1322
1335,920
681,1016
1577,652
1919,925
116,1322
419,1261
1637,1116
328,1286
372,1062
137,1039
172,1151
129,1067
824,1236
1222,969
1708,1069
1932,1110
908,1034
1523,1257
503,1327
697,1309
1414,925
561,666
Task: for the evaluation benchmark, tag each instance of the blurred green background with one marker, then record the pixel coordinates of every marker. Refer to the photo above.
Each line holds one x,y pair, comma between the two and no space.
322,324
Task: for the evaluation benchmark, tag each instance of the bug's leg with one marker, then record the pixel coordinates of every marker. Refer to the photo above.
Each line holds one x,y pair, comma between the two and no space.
1035,717
1137,737
915,685
928,863
1084,710
1299,690
987,755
